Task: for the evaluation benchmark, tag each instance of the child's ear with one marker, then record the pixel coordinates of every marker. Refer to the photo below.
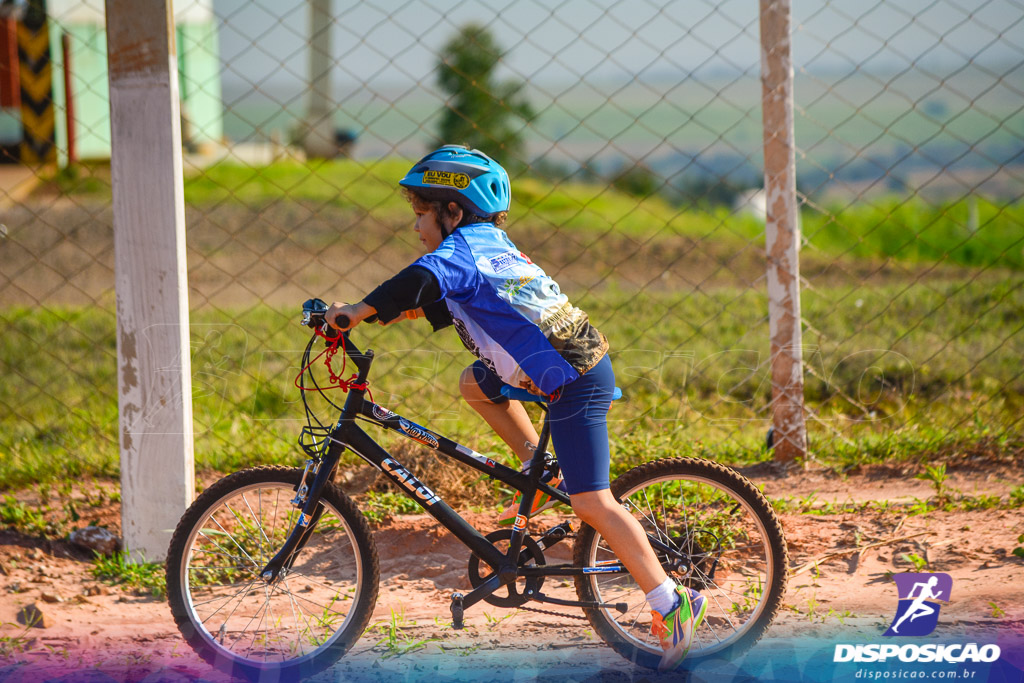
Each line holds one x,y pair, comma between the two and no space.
456,210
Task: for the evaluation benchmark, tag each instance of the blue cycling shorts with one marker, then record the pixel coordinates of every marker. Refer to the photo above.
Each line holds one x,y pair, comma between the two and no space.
579,424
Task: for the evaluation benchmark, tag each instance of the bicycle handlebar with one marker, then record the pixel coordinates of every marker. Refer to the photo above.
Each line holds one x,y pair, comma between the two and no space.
314,315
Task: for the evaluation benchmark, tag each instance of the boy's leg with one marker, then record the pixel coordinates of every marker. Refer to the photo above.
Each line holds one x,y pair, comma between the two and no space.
508,419
675,623
624,534
579,431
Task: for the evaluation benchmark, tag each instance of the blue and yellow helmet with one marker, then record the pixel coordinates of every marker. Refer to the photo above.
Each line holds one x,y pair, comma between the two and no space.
466,176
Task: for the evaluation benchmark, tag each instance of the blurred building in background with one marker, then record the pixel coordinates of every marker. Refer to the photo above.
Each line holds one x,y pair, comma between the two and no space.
78,75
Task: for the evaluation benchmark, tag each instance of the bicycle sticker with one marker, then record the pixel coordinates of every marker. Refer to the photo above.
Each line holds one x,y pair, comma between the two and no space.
520,523
406,479
601,570
382,413
473,454
303,519
417,433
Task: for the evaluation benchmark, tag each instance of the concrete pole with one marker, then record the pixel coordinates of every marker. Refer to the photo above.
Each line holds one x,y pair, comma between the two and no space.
782,236
154,369
319,138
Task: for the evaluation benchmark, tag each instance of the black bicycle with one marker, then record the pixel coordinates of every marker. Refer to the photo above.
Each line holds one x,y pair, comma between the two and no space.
273,570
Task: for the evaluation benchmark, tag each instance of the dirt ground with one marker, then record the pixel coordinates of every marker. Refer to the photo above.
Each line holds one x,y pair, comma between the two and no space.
840,585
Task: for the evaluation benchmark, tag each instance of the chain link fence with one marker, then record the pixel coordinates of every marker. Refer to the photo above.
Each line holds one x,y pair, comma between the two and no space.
633,134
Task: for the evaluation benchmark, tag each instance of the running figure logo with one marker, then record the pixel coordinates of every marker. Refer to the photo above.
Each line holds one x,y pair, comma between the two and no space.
920,595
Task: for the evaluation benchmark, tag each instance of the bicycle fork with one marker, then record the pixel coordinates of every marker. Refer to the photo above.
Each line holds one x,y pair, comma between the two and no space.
312,510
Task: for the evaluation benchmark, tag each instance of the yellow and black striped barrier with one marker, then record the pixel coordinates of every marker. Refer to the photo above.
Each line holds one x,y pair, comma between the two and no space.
38,144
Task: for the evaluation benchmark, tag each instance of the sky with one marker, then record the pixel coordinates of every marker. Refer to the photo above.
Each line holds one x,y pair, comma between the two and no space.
392,44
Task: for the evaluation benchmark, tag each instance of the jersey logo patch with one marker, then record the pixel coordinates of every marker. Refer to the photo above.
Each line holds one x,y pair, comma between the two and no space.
459,181
503,262
514,286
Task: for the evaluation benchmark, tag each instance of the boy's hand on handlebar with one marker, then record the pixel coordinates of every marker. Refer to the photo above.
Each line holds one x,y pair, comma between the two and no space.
356,313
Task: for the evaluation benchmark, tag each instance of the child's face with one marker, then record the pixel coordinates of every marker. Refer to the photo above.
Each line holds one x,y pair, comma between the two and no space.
428,227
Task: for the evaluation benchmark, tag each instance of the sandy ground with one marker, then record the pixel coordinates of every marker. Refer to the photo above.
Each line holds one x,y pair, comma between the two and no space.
835,591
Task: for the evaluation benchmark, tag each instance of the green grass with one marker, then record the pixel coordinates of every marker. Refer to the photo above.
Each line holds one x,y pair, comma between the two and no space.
921,232
28,519
954,502
909,230
395,642
909,374
379,506
17,644
367,185
912,325
145,578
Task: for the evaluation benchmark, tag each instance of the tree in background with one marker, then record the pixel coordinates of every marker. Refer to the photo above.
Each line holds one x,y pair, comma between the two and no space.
480,111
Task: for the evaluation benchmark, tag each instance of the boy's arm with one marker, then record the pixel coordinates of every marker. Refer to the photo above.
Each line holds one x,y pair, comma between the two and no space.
414,287
356,313
438,315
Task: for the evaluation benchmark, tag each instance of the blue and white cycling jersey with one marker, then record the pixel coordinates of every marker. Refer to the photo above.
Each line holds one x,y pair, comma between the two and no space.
509,313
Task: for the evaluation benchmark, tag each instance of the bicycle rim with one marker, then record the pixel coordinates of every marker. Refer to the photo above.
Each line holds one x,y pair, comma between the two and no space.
301,615
731,560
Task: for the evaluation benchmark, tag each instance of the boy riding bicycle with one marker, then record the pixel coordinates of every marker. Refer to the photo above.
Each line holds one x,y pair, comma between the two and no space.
526,334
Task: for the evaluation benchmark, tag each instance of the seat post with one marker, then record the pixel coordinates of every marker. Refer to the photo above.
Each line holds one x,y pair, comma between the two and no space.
537,463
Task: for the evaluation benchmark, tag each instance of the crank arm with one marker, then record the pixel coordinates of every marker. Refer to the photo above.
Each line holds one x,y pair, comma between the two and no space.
486,588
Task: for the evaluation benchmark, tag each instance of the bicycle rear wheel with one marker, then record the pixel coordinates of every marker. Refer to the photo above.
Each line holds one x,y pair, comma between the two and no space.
302,623
734,550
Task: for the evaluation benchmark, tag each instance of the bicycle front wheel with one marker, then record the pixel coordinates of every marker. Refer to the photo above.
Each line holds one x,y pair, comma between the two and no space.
730,547
300,624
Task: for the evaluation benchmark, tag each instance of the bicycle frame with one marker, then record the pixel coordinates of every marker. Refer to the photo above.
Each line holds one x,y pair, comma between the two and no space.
347,434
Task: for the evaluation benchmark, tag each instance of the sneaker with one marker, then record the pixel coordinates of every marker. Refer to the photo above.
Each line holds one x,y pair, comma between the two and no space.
541,502
676,629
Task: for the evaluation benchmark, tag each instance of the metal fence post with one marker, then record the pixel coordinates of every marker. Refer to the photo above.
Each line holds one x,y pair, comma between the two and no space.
154,369
781,232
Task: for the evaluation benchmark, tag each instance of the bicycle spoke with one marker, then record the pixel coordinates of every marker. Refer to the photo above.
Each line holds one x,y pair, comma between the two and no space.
227,597
225,552
720,538
299,616
229,535
258,525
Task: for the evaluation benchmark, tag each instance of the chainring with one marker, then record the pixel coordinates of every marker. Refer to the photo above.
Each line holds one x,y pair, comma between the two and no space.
509,595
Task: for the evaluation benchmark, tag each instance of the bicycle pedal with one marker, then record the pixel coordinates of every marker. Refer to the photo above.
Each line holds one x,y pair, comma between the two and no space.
457,612
555,535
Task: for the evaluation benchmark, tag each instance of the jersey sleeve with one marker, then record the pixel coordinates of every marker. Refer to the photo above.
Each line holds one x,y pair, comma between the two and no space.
452,264
412,288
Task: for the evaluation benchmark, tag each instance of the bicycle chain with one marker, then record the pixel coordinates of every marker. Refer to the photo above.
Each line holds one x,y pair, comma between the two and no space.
552,613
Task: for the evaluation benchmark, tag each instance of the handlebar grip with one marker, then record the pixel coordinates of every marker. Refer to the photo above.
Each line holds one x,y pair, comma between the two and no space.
342,320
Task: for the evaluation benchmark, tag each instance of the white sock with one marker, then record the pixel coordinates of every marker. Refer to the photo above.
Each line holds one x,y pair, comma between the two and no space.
663,599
